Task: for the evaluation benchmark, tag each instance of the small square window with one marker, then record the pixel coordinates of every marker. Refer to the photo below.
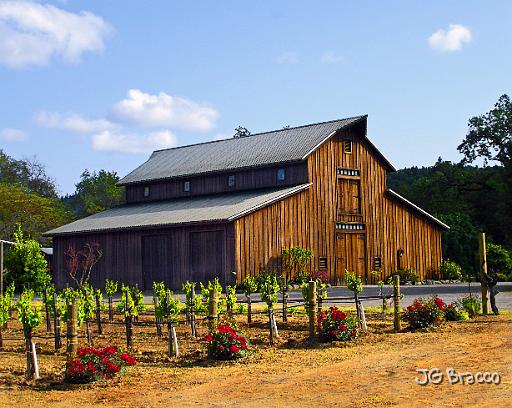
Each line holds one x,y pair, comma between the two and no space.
347,146
231,180
281,174
146,191
186,186
322,262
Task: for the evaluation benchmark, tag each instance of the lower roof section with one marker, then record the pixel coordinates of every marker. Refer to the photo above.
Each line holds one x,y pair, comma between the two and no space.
212,208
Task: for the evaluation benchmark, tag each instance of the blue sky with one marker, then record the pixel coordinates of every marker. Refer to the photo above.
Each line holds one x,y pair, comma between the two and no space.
97,84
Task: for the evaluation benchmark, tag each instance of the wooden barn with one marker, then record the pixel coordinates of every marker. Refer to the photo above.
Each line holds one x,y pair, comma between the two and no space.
228,208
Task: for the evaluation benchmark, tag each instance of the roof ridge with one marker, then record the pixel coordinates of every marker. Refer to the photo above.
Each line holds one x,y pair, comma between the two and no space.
262,133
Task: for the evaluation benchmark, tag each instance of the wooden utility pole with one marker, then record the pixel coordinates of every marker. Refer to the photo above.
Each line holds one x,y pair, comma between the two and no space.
483,273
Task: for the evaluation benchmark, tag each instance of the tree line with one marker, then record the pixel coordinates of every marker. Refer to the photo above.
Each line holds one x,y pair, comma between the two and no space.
29,197
470,198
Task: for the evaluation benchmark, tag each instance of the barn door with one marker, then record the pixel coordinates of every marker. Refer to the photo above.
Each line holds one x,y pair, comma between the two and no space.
206,256
348,197
350,255
156,262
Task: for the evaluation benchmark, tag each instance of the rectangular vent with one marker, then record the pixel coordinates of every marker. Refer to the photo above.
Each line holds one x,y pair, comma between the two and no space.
347,172
349,226
322,262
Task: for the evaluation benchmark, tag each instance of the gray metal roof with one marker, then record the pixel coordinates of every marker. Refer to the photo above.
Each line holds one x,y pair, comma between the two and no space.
418,209
212,208
280,146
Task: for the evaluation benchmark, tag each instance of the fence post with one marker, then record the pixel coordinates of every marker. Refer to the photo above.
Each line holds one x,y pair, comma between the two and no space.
319,299
128,321
397,323
72,330
157,319
28,351
168,321
483,273
98,313
311,306
193,310
270,316
56,323
110,309
229,309
87,323
285,299
45,300
249,309
212,309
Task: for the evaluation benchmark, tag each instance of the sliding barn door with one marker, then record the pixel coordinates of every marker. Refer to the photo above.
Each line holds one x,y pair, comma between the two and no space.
207,256
156,260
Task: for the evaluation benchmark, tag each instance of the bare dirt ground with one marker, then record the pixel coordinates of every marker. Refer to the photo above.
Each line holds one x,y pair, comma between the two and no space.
376,370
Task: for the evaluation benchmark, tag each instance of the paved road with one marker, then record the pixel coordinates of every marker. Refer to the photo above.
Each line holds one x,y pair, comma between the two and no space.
448,292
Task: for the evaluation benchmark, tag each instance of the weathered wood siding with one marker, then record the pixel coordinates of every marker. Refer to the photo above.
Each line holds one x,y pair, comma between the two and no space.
309,218
160,254
218,183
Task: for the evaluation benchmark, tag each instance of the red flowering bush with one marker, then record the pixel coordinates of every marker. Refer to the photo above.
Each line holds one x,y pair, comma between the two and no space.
425,313
334,325
225,343
96,364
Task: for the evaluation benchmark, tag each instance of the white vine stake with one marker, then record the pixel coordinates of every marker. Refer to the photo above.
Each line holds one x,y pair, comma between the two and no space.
361,313
274,326
34,361
175,341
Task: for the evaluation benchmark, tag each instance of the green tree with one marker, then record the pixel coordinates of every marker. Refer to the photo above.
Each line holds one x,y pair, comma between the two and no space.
26,266
29,174
240,131
35,213
95,192
490,135
499,261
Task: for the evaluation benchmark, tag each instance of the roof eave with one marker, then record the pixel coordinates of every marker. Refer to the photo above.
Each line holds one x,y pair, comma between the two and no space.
419,209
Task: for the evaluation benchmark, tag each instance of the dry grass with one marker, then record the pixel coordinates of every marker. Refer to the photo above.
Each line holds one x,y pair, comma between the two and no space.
377,370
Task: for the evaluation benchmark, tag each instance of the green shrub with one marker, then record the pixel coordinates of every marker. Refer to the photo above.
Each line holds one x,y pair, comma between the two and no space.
450,270
28,314
407,275
353,282
499,261
455,312
471,304
26,266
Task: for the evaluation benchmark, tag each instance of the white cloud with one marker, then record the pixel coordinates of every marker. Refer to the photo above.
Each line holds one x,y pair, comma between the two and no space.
72,122
13,135
451,40
164,110
288,57
129,143
31,34
330,57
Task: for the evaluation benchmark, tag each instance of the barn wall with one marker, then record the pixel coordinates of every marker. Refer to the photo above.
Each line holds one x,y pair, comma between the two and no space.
308,219
218,183
123,258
